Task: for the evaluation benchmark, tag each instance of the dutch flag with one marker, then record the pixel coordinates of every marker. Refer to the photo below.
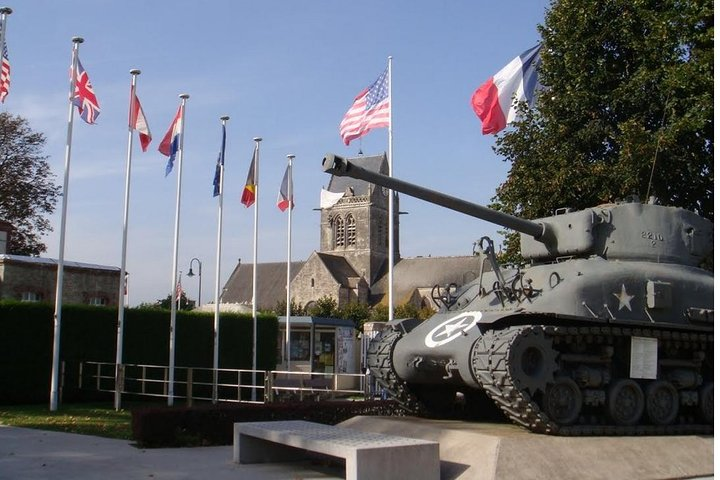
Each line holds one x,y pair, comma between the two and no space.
171,142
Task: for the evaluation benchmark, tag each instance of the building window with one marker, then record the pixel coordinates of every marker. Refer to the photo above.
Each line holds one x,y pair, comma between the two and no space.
30,297
339,225
98,301
351,231
300,346
312,283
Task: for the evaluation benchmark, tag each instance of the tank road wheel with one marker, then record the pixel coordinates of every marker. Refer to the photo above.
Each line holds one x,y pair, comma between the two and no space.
705,405
532,361
625,402
563,401
662,402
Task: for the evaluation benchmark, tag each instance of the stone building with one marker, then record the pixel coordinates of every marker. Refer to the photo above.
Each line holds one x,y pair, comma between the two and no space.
34,279
352,263
5,232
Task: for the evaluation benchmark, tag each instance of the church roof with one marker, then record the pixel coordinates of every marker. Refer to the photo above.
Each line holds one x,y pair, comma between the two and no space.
374,163
271,278
424,272
338,267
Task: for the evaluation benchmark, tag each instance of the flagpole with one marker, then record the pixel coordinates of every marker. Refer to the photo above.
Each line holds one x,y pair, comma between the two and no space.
391,203
289,257
256,174
173,306
57,317
123,256
216,322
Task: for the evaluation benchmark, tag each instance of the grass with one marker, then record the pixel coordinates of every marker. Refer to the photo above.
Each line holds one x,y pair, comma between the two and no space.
88,419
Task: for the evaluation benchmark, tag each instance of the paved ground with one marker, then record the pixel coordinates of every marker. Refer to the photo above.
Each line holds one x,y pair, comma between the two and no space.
27,454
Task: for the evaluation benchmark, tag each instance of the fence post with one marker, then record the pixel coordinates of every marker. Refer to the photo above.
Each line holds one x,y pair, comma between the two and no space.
269,391
165,380
62,380
189,387
121,377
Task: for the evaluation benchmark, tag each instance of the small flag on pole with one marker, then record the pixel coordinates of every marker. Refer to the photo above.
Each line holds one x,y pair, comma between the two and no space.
248,194
284,201
371,109
494,101
4,73
84,97
219,166
178,290
139,122
170,144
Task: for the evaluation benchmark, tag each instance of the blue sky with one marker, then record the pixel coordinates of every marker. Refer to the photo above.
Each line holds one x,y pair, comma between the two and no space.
283,70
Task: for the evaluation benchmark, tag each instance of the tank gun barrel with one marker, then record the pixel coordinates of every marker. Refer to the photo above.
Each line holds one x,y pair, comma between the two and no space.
337,165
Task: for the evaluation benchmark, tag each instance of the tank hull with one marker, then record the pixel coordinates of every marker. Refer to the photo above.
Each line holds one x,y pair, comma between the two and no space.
562,358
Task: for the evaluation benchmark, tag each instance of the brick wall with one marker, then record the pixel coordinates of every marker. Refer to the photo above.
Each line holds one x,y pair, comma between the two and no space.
80,284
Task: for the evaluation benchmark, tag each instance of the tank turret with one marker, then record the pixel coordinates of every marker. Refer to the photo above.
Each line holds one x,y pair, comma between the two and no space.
628,230
607,329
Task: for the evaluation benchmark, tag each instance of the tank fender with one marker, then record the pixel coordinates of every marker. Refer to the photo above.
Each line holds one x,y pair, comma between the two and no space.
404,325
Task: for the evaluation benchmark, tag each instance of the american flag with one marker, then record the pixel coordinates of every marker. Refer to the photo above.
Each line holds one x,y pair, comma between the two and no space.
4,74
84,97
371,109
178,290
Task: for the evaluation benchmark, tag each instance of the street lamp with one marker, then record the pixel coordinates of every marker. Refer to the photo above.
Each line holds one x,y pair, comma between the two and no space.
199,274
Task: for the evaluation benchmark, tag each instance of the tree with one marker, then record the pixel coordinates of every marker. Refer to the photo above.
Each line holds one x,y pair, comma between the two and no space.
325,306
281,308
27,191
355,311
164,303
627,109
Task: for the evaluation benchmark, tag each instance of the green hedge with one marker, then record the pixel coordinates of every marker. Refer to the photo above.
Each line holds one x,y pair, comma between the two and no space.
213,425
90,334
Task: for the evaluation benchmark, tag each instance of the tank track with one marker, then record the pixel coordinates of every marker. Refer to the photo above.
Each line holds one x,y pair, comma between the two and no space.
379,358
491,362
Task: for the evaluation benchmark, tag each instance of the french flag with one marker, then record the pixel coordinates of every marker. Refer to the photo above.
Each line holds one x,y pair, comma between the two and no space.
171,142
284,201
493,102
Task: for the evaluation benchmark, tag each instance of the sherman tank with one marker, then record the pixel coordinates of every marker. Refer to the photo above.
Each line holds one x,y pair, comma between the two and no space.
605,329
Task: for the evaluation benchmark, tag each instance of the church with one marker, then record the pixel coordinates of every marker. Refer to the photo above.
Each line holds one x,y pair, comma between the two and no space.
352,262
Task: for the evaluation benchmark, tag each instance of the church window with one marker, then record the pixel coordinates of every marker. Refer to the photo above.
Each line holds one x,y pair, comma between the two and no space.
312,282
339,232
351,231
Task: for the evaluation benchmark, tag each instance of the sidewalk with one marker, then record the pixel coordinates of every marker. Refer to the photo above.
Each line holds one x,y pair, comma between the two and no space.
28,454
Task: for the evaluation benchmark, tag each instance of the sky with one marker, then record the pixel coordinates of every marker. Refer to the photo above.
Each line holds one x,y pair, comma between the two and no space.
283,70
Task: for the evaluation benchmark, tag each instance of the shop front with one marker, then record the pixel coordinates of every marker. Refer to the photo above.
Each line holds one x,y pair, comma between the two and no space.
318,345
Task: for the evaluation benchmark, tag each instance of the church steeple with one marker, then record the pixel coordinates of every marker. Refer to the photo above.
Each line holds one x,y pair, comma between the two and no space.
356,226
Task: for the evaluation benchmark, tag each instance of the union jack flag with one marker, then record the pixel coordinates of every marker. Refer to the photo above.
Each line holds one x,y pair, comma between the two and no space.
84,97
4,73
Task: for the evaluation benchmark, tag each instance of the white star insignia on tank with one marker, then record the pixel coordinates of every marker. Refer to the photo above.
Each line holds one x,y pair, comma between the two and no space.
624,299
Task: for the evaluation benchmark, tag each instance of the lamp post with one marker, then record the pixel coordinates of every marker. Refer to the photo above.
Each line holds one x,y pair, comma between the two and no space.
199,274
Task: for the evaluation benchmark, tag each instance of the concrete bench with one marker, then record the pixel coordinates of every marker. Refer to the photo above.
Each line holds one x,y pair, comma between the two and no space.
368,456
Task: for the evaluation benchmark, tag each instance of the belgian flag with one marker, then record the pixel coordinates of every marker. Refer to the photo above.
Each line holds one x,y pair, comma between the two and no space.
248,194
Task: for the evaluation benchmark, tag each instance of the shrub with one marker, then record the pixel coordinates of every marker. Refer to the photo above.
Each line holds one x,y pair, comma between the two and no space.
213,425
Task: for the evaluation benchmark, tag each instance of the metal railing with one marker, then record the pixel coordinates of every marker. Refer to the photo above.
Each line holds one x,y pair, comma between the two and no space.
222,385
